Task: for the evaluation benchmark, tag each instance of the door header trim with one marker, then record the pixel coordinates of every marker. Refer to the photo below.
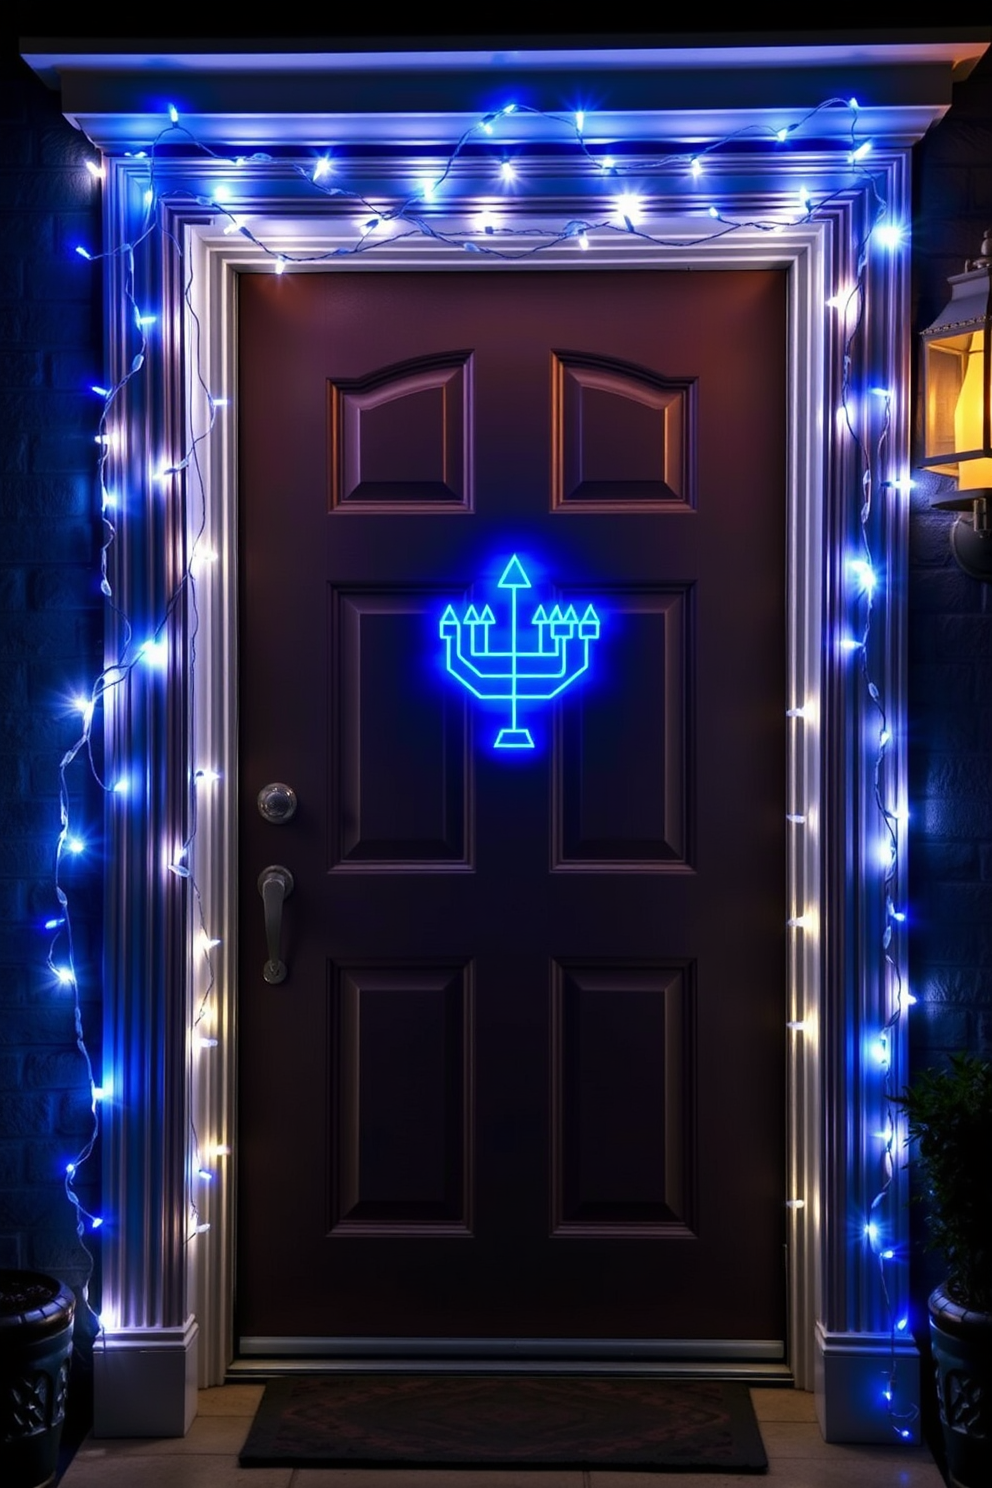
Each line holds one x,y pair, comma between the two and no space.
693,87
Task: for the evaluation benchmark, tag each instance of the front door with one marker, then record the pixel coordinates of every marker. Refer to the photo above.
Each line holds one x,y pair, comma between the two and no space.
525,1076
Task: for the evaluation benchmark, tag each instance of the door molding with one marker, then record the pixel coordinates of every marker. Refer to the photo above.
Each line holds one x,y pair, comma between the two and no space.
162,1270
832,973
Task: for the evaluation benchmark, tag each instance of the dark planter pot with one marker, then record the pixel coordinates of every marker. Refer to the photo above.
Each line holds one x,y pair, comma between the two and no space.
36,1315
962,1351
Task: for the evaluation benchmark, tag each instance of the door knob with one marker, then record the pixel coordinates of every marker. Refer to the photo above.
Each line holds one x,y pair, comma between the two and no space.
277,802
275,884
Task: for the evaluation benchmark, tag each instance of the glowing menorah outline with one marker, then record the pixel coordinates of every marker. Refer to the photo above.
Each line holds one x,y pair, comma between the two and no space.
517,676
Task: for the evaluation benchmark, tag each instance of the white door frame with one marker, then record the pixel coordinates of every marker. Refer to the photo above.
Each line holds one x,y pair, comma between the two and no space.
168,1282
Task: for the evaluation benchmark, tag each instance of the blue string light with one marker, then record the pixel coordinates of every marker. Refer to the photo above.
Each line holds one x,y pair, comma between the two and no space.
435,210
866,581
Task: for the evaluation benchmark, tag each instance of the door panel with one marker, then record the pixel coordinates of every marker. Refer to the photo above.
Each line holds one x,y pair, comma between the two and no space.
622,1150
639,736
525,1078
402,1043
406,808
403,435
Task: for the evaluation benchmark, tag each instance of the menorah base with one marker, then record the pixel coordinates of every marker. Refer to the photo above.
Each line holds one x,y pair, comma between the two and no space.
509,738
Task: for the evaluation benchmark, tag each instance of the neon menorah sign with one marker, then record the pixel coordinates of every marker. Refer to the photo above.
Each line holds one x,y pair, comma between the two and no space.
553,653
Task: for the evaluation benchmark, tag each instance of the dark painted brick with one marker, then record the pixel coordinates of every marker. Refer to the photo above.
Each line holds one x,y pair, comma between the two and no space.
26,235
961,903
41,902
13,988
61,145
943,1027
77,371
929,531
72,228
11,899
60,1254
922,645
971,142
983,682
983,1024
43,1025
10,1072
52,728
955,945
46,497
75,1116
14,448
50,685
13,773
973,99
11,1163
949,775
19,149
940,591
948,190
42,778
62,589
55,1070
45,1162
36,323
960,636
947,728
961,988
940,681
22,856
50,635
51,191
933,861
927,485
21,369
26,1115
11,278
64,277
35,409
13,681
59,451
31,1207
12,589
10,1252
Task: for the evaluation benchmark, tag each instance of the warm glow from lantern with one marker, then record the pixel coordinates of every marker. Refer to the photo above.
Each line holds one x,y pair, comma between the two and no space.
972,474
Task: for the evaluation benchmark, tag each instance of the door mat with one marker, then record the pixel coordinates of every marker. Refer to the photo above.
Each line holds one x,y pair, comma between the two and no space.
351,1420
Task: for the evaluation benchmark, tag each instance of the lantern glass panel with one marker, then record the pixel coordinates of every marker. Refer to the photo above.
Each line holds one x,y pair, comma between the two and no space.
957,415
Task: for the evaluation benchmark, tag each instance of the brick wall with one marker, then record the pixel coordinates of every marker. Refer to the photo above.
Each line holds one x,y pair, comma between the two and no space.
950,637
50,647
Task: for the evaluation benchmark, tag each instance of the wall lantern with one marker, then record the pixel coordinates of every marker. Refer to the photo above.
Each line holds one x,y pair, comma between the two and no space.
957,394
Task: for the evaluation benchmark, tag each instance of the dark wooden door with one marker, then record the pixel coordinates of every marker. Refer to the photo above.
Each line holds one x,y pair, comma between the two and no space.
525,1076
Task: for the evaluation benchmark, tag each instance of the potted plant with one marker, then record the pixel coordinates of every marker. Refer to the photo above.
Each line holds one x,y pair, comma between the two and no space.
949,1114
36,1316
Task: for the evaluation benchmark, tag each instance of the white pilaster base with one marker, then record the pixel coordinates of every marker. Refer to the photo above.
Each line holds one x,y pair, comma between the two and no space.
851,1374
144,1381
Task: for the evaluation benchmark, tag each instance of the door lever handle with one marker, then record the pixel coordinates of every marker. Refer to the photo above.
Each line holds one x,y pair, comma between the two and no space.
275,884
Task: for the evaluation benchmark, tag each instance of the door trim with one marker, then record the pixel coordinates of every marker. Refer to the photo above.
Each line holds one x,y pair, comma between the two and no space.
474,1349
836,972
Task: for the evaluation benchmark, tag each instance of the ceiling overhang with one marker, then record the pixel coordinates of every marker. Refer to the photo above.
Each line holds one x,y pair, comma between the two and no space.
694,88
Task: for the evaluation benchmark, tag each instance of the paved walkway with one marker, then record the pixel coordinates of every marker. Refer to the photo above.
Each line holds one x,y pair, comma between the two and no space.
208,1458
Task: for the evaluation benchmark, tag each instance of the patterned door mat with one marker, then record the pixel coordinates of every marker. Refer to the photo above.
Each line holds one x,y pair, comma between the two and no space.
418,1420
